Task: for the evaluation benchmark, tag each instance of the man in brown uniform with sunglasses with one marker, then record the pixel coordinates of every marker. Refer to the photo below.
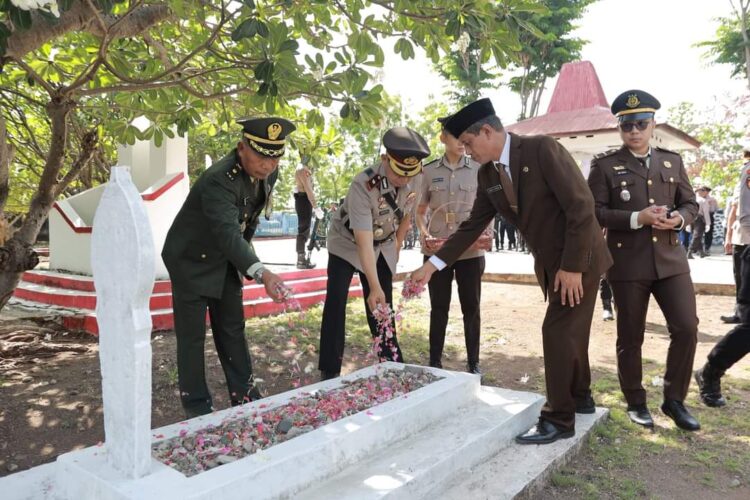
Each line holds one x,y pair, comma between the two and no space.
644,198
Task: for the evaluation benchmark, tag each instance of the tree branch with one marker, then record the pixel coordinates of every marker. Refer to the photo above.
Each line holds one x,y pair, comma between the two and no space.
80,17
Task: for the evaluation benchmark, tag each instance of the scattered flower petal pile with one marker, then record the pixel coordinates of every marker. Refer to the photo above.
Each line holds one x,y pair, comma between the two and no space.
233,439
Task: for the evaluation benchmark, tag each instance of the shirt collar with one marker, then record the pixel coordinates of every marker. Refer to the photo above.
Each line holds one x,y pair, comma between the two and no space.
648,153
461,163
505,155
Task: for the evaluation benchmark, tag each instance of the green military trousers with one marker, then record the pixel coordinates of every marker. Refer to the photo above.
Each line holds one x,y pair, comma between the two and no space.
228,326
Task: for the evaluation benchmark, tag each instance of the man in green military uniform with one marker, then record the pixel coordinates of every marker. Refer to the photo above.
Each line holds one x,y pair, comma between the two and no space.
208,250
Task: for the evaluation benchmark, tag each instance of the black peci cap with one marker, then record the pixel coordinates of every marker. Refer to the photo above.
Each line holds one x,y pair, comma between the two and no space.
405,149
634,105
267,136
468,115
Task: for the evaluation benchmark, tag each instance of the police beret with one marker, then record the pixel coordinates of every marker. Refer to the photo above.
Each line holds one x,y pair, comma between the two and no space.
468,116
267,135
405,149
635,105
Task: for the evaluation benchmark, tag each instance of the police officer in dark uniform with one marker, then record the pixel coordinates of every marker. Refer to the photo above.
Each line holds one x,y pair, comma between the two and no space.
365,236
644,198
207,252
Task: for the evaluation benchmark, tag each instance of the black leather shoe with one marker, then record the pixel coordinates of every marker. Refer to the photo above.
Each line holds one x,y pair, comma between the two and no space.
732,319
254,394
682,418
543,433
586,405
436,364
324,375
473,368
709,383
640,415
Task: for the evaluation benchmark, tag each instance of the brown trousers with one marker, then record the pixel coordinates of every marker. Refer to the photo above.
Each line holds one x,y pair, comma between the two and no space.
676,298
565,336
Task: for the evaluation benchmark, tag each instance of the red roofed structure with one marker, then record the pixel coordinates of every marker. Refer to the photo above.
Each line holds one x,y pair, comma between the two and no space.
579,117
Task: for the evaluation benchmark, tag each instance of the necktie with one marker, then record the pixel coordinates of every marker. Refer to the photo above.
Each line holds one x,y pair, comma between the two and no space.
510,195
642,161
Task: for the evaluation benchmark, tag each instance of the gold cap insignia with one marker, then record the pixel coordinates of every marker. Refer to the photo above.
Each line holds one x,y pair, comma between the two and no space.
274,130
632,101
668,164
410,161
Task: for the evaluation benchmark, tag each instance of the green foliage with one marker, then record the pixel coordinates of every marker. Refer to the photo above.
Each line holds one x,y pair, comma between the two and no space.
545,49
732,42
209,63
718,161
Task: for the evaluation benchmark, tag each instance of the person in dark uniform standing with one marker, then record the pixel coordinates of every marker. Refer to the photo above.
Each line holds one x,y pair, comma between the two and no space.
365,236
449,186
736,344
207,252
304,206
644,198
535,183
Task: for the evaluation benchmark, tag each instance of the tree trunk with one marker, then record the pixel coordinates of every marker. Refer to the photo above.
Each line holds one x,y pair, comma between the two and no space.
17,255
6,155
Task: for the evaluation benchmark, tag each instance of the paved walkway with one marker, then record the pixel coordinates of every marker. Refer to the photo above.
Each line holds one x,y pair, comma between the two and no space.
280,254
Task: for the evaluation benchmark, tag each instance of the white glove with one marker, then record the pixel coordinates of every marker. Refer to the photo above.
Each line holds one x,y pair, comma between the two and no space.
318,212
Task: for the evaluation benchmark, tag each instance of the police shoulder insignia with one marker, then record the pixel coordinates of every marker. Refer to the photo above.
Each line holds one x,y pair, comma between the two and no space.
433,162
667,164
373,182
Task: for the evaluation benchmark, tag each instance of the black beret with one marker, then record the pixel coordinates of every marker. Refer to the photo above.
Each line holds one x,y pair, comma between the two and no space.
468,116
267,135
405,149
635,105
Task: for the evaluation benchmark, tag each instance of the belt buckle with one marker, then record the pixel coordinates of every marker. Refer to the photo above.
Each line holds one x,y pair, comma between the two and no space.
450,217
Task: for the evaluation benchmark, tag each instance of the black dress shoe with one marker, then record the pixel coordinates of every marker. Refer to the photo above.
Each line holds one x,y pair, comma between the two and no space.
586,405
640,415
436,364
254,394
473,368
708,379
682,418
732,319
543,433
324,375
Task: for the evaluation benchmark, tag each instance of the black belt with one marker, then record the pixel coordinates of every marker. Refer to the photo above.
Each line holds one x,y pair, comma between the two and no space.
375,243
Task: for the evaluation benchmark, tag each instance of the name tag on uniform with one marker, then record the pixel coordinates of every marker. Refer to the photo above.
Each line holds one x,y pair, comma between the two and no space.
383,212
438,179
493,189
622,172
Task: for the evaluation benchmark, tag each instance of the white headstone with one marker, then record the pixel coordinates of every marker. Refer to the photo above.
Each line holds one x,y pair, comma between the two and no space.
122,258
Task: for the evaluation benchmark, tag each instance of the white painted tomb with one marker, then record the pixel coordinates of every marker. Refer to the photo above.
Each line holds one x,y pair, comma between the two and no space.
161,177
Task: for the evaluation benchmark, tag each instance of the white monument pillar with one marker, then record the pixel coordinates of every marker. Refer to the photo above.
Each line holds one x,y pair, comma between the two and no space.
122,258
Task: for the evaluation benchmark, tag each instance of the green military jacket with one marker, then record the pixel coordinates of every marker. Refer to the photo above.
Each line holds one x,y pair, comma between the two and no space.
215,226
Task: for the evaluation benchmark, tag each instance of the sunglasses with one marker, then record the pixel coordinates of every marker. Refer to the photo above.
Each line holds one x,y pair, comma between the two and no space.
639,124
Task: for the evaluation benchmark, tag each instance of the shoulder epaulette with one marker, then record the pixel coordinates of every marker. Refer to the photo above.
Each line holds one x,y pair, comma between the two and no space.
233,172
369,172
433,162
373,182
667,150
606,153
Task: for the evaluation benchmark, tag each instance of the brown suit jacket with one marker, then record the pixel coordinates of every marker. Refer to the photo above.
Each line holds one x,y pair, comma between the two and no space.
645,253
555,210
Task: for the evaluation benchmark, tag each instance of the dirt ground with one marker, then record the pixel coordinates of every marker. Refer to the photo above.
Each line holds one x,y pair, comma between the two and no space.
50,386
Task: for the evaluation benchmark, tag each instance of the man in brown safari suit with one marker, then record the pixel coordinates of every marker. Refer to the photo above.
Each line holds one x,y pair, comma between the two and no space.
643,197
537,186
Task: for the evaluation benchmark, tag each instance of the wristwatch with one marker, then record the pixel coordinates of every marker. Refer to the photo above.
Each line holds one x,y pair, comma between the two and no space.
258,276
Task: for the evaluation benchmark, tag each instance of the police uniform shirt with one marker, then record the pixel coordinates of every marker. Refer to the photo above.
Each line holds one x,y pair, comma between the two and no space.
449,191
366,208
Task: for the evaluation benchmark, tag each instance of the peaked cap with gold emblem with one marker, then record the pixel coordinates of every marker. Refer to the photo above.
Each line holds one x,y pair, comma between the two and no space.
405,150
634,105
267,135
